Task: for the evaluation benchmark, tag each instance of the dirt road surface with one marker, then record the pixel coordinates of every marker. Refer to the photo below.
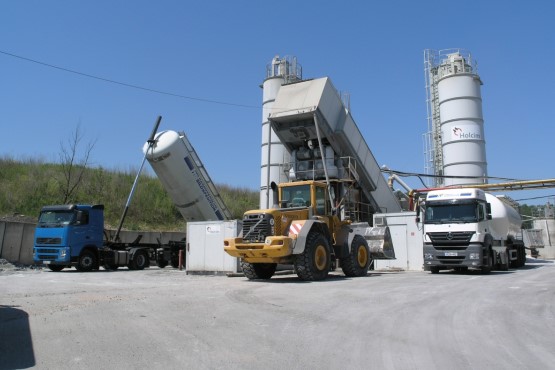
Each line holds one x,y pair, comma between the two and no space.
165,319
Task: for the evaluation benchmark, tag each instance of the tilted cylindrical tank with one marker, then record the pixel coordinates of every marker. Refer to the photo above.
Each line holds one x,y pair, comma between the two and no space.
506,221
462,123
180,175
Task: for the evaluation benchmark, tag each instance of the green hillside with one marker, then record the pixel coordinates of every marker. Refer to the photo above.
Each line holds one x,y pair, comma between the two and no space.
27,186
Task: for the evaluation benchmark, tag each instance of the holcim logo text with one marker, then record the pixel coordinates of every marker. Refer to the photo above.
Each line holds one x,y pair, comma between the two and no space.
461,134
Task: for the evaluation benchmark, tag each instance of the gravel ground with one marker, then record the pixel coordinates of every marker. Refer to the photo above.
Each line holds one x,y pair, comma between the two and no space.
166,319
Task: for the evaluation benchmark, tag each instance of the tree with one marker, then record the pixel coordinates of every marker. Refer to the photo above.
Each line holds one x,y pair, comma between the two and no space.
73,166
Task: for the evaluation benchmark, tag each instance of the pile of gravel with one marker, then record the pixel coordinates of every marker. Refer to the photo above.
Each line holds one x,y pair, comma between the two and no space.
7,266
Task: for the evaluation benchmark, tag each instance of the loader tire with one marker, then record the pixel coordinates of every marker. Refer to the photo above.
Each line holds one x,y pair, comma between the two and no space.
254,271
314,263
358,261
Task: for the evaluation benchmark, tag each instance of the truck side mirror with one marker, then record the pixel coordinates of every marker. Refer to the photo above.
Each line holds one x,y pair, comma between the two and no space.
488,211
417,214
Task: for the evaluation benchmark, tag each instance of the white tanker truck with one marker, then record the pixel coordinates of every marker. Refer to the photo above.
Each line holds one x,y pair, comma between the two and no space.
468,228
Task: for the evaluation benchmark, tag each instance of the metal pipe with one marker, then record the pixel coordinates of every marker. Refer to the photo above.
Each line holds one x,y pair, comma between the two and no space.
322,154
150,142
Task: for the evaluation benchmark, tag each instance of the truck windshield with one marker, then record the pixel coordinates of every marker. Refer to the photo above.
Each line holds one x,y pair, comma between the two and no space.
295,196
451,213
56,218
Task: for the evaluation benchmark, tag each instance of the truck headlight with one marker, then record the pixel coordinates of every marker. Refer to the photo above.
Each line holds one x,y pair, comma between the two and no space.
474,256
428,256
63,253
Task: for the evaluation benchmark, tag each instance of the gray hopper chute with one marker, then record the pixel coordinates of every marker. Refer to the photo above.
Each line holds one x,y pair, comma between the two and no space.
302,105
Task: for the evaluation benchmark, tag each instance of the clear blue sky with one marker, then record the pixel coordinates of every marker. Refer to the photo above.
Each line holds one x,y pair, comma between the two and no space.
218,50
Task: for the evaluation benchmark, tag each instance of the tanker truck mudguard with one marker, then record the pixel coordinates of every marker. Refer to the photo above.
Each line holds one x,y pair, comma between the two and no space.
73,235
470,229
304,231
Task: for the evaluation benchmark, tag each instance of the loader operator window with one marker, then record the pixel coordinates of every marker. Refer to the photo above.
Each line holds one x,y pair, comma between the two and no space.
320,201
295,196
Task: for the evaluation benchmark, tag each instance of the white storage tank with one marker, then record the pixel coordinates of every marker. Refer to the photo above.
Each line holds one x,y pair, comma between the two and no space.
462,123
182,174
274,156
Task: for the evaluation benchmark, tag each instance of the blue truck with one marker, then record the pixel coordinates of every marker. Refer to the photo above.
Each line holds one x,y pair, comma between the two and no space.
73,235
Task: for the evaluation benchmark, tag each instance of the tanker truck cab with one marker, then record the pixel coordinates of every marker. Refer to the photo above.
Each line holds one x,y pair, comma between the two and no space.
69,235
470,229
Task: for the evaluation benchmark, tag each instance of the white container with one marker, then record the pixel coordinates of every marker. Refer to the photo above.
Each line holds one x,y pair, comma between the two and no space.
407,241
205,247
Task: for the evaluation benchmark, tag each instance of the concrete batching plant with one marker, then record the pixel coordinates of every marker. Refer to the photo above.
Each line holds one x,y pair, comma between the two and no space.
454,144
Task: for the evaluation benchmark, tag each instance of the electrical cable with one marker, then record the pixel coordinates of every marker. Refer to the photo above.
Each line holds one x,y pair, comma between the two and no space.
128,84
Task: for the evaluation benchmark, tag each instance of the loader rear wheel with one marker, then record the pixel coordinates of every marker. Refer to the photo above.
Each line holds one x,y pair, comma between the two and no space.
255,271
314,263
358,260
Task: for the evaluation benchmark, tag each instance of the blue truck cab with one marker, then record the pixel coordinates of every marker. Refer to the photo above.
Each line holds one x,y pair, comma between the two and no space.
69,235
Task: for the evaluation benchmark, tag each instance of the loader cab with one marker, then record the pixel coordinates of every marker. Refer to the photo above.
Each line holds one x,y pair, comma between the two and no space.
305,194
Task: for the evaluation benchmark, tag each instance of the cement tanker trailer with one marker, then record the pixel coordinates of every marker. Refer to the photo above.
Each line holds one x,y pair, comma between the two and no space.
179,168
468,228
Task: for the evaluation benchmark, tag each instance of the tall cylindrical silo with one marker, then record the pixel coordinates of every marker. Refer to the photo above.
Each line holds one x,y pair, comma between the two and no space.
274,156
462,123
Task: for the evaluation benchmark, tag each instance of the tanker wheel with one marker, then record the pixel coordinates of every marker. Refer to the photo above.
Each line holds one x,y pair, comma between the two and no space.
489,264
358,260
161,262
522,256
87,261
110,267
56,268
505,266
255,271
140,260
314,263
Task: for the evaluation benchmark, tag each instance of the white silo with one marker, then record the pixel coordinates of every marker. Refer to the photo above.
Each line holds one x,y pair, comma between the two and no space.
457,122
274,156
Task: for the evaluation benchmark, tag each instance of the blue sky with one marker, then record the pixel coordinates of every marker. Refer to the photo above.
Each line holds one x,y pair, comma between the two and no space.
218,50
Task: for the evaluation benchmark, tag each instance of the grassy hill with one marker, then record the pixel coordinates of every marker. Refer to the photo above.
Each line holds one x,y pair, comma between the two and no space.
26,186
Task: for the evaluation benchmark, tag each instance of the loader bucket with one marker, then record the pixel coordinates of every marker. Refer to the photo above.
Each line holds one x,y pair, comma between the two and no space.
380,243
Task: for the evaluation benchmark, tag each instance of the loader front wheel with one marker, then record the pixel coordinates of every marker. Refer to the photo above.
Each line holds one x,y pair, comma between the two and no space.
358,260
314,263
255,271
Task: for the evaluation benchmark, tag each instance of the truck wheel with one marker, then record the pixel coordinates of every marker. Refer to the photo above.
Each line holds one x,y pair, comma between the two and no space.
161,263
56,268
87,261
505,266
521,253
258,270
487,268
434,270
314,263
358,260
140,260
